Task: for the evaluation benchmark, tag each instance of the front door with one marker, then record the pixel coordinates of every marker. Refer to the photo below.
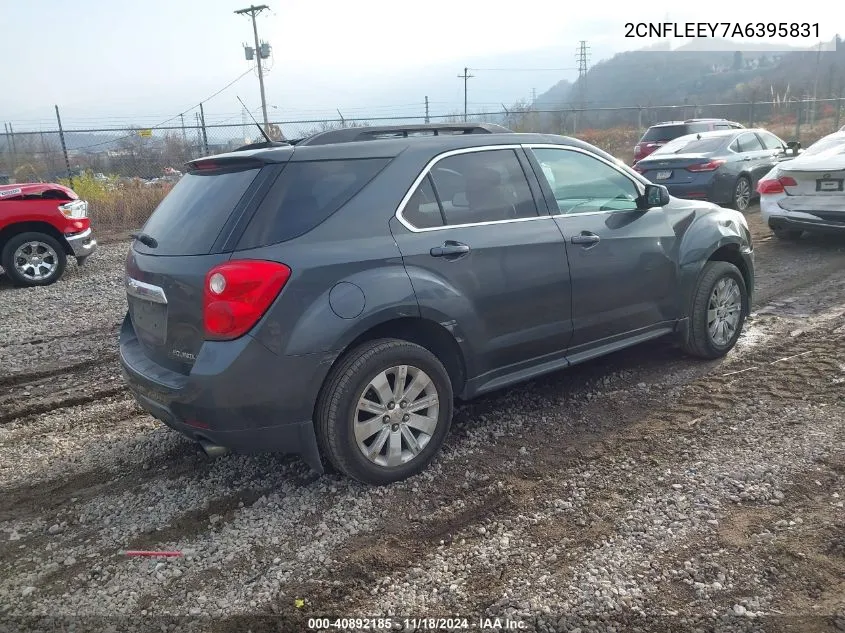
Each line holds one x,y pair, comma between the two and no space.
484,262
622,261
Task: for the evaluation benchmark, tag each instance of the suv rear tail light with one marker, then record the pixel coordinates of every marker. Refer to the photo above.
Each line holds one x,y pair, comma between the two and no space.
776,185
237,294
712,165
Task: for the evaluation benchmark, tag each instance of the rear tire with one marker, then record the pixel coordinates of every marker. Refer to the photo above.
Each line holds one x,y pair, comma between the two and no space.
788,234
718,312
742,193
378,442
33,259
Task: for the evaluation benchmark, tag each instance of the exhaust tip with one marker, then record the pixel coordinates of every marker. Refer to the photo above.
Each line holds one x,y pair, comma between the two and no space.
213,450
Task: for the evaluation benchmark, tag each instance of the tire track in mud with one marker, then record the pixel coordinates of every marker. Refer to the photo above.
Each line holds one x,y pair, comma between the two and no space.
634,430
34,377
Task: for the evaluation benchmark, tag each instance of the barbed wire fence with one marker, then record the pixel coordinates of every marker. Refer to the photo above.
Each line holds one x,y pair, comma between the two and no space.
136,166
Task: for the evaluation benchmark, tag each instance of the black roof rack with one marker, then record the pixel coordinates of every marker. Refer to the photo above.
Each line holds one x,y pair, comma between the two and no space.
349,135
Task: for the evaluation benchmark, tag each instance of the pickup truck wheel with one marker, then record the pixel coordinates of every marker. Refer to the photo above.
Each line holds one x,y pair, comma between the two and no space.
33,259
384,412
719,308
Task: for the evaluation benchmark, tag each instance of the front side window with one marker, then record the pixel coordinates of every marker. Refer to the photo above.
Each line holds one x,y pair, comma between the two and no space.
582,184
469,188
770,141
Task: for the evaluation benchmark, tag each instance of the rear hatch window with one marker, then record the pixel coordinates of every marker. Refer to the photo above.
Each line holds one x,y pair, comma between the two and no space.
189,219
304,195
664,133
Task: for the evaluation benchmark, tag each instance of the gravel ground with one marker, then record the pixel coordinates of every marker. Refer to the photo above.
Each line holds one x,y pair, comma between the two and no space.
643,491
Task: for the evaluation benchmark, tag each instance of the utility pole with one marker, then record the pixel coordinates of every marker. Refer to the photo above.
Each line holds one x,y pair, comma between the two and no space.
64,147
10,147
204,134
427,119
184,134
533,97
816,87
252,11
465,77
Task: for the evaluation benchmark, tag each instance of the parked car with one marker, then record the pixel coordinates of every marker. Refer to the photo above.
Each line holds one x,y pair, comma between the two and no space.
722,167
41,225
658,135
331,298
806,194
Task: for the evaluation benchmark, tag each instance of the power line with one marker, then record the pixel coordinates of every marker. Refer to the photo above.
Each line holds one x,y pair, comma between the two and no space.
529,70
173,118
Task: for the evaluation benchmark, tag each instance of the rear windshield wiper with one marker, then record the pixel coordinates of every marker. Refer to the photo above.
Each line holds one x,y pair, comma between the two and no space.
145,239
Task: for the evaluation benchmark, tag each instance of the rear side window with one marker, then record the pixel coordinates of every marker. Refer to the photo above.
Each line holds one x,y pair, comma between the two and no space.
189,219
664,133
304,195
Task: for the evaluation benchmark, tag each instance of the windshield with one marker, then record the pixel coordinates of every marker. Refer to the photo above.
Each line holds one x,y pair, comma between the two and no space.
692,146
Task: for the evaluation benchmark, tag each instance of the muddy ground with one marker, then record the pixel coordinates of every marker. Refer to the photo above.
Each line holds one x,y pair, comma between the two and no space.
643,491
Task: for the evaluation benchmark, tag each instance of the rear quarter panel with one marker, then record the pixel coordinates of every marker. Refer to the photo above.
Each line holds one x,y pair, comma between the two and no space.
347,275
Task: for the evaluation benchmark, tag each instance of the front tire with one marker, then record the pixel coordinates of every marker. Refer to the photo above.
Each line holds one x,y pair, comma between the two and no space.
33,259
741,199
719,308
384,412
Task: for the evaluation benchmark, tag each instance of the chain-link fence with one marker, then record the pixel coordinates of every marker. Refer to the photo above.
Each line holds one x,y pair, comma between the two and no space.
124,172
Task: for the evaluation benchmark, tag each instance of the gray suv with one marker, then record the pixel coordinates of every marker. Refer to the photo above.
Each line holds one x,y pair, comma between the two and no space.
332,297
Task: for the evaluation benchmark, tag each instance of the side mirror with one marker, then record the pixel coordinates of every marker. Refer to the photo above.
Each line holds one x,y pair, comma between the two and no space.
793,146
460,200
655,196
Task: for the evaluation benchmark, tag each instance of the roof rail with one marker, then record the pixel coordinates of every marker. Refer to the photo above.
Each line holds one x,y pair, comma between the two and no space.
350,135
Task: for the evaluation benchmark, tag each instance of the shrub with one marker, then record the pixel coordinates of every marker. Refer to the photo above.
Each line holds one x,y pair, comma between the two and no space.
119,203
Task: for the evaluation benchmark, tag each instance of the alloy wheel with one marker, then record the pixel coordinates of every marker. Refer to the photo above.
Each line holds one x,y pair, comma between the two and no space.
396,415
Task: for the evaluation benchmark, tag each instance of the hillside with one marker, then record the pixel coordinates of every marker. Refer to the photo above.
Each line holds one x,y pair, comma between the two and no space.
657,77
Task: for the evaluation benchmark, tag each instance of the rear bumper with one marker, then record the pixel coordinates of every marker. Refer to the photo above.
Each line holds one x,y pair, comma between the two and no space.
716,188
804,224
82,244
238,395
779,218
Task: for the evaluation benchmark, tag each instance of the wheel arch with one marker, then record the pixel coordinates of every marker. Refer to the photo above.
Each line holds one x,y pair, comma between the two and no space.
424,332
731,254
17,228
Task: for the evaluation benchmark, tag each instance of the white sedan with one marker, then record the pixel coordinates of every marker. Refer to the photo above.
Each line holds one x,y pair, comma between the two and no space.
806,193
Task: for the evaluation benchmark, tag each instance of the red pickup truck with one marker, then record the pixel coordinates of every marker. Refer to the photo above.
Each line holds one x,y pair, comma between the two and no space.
41,224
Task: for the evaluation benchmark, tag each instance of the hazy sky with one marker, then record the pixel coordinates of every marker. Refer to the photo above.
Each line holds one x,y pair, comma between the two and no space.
142,62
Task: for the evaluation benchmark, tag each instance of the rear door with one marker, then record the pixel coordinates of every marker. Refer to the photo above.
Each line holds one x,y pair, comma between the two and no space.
181,242
623,261
755,160
486,260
